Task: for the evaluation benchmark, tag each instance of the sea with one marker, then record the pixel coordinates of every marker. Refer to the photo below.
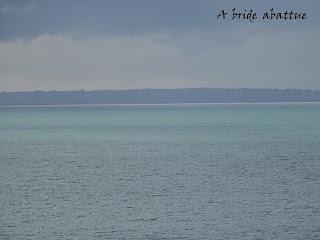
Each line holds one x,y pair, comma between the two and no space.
176,171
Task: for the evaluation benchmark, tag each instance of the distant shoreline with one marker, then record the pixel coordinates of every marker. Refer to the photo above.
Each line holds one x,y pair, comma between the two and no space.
158,89
156,104
160,97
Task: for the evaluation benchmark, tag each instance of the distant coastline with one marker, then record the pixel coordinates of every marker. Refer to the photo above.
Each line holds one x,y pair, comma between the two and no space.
160,96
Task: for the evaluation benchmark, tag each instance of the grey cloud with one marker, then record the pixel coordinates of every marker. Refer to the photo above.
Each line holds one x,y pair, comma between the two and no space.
120,44
125,17
284,60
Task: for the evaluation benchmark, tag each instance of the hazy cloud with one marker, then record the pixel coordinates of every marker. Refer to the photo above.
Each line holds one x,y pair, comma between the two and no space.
152,61
154,44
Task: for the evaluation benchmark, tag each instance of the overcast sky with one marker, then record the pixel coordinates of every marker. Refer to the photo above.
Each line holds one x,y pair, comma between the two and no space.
125,44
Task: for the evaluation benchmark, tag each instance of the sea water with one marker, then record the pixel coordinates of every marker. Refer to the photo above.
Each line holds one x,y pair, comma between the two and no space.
193,171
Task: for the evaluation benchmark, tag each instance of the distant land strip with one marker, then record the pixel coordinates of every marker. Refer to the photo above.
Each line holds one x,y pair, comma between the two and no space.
159,96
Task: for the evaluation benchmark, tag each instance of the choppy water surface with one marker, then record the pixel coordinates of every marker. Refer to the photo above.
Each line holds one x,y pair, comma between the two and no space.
242,171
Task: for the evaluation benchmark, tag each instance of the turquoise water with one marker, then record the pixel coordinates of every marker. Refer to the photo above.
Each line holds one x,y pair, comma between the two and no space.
224,171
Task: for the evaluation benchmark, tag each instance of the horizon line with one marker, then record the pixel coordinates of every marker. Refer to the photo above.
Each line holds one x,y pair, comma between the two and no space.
151,104
139,89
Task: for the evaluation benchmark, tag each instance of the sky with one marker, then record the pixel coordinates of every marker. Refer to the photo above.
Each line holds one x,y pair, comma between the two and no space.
130,44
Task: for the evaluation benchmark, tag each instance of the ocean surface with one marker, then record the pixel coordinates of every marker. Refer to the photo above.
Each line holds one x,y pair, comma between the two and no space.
193,171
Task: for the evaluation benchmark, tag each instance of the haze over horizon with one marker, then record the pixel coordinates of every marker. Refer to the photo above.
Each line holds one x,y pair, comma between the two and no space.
162,89
92,45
